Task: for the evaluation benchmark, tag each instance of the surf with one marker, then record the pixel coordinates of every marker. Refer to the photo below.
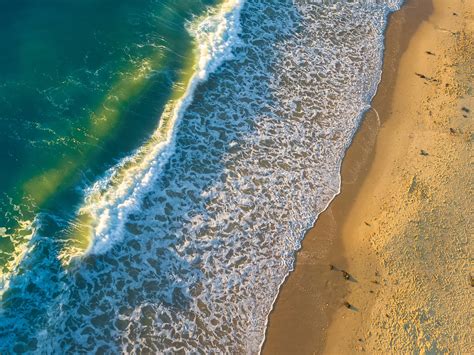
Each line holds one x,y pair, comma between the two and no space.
38,191
101,219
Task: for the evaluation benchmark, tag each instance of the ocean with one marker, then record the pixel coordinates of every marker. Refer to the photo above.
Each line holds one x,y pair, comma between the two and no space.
163,159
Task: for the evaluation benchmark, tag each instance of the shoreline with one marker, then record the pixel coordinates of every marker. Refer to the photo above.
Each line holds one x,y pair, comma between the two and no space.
323,241
308,315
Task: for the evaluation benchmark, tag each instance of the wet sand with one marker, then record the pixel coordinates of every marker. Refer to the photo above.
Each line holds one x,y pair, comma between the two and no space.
401,224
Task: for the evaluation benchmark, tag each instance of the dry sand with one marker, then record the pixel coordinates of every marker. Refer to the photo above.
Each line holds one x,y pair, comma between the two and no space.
402,225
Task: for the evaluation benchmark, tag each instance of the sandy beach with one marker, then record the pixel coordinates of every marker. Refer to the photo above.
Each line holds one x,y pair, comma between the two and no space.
401,226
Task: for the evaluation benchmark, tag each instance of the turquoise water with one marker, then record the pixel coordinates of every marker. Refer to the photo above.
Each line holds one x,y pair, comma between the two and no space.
162,161
83,84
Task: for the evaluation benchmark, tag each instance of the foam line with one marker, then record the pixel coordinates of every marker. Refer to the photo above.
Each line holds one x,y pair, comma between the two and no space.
112,198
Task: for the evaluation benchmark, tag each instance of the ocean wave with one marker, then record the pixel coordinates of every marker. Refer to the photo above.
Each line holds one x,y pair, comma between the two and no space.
111,199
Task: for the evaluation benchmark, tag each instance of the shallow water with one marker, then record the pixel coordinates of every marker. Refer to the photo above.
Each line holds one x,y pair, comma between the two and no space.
184,242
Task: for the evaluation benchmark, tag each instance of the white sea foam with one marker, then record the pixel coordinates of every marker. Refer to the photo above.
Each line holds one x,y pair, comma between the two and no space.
111,199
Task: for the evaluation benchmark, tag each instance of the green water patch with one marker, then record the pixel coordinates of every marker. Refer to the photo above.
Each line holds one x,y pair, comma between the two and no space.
85,84
81,231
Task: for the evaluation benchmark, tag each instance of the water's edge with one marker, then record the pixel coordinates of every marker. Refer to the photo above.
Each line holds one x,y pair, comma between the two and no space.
360,120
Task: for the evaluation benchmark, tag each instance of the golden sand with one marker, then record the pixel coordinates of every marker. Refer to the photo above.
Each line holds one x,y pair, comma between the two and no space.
401,226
